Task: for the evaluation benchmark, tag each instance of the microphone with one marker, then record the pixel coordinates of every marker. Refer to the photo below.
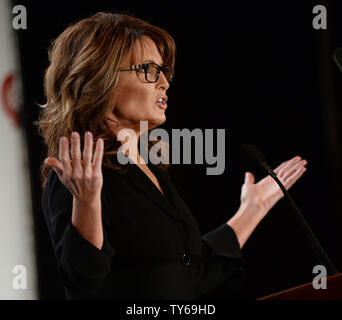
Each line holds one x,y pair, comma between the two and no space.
338,58
255,157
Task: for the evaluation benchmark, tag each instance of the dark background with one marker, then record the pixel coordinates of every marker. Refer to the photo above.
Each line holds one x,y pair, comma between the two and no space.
258,70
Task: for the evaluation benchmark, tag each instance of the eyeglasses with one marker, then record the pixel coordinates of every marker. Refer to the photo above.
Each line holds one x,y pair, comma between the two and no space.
151,70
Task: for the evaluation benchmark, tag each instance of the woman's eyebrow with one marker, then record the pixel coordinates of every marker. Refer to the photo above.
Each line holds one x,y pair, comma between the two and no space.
152,61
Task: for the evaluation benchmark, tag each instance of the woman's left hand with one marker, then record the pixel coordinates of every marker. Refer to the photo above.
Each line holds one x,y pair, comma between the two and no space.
263,195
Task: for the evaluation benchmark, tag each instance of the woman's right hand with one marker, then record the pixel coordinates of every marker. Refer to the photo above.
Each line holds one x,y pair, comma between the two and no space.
82,176
258,198
266,193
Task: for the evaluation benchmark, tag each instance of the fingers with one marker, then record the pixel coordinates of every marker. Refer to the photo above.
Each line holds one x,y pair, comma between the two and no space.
287,165
290,171
64,157
88,152
76,161
77,171
291,180
98,155
249,178
55,165
276,170
294,168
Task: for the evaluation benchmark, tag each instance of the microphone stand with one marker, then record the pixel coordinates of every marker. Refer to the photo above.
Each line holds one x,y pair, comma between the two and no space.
313,241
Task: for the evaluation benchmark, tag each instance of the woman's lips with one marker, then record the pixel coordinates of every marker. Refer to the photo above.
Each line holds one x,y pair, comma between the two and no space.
162,105
162,102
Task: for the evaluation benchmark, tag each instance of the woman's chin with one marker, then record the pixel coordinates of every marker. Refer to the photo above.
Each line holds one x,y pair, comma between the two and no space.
155,122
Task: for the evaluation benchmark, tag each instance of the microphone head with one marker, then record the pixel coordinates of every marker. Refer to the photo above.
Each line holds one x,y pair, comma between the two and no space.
338,58
254,158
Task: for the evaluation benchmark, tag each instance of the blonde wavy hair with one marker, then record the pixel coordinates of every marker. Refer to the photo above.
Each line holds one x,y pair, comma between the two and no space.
82,75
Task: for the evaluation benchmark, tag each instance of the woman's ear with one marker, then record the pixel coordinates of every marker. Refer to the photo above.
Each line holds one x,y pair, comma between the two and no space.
112,122
115,121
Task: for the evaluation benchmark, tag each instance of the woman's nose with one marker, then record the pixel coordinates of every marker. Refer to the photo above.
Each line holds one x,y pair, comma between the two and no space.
162,82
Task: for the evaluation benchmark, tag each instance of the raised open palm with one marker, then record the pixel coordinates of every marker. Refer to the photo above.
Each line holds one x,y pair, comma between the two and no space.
265,194
82,174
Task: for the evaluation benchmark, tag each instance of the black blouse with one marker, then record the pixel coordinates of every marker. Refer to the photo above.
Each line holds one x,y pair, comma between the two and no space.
152,246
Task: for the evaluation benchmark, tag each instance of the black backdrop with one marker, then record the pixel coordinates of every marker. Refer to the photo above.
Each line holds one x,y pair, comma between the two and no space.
258,70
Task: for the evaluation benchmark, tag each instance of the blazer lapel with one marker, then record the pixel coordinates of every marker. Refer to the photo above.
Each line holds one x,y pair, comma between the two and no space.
173,195
142,182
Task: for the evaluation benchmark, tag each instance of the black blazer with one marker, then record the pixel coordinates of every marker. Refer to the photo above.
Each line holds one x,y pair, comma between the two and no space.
152,247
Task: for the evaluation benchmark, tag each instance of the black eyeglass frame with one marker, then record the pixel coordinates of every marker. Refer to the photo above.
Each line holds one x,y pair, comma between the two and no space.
137,67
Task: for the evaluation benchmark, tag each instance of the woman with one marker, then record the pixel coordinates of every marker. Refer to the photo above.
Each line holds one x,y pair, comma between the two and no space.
123,231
